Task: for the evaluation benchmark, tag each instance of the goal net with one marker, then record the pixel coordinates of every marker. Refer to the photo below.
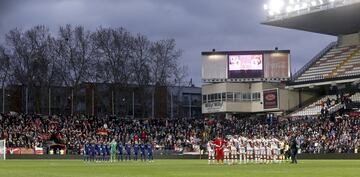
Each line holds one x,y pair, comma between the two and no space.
2,150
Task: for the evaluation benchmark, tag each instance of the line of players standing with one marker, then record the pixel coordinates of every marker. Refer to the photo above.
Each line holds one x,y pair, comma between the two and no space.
234,149
113,151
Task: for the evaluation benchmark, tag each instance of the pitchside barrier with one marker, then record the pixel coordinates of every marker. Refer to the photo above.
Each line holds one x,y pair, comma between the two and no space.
174,155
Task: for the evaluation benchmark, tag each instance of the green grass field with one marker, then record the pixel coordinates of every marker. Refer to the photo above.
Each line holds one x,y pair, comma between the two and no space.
178,168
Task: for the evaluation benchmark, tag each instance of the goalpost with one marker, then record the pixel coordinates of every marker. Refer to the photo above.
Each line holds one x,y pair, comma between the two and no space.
2,149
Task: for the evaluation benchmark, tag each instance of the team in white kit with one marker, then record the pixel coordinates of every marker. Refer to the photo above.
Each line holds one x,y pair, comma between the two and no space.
242,150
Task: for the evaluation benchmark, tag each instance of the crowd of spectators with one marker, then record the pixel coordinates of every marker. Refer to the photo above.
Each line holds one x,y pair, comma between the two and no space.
315,134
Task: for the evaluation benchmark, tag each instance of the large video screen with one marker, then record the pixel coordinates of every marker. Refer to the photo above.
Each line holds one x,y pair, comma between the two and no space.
246,66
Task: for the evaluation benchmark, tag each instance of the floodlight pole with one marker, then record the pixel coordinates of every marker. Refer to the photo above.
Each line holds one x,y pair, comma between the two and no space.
3,99
72,101
153,104
93,101
133,104
190,105
171,104
26,99
49,99
112,102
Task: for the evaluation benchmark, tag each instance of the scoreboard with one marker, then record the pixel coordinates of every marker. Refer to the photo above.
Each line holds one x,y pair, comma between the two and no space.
268,64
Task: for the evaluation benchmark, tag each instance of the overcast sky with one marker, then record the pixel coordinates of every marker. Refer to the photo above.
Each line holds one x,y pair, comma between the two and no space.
196,25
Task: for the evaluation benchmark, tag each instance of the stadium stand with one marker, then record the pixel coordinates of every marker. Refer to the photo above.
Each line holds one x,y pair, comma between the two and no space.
355,97
315,107
337,61
332,103
316,135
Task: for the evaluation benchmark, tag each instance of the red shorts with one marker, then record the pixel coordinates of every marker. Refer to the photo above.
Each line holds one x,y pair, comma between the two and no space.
219,154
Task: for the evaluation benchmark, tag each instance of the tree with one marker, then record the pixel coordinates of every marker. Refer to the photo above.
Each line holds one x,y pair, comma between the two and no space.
5,73
76,54
163,61
35,58
114,50
30,59
140,69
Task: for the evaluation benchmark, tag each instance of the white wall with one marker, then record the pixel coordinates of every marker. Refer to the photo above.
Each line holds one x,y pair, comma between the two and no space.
287,98
214,66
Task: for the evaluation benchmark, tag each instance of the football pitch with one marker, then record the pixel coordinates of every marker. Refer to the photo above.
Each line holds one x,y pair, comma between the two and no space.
178,168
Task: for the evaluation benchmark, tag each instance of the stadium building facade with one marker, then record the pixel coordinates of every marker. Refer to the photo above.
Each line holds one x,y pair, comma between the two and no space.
233,84
248,82
333,74
104,99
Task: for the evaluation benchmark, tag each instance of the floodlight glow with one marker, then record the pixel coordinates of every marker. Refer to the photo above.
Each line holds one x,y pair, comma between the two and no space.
321,1
289,9
276,5
266,7
297,7
313,3
291,1
271,13
304,5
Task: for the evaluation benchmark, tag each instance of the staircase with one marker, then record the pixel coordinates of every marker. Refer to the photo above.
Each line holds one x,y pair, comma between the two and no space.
334,72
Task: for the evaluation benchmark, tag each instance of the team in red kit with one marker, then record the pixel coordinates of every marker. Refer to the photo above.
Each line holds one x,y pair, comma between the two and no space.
242,150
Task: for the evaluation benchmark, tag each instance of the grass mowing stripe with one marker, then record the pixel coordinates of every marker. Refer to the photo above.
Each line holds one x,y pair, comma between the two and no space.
175,168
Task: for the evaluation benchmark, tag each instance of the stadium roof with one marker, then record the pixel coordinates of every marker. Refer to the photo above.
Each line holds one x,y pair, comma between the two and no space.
341,20
243,52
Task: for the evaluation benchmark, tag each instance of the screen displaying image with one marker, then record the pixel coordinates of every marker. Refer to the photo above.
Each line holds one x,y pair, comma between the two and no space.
245,62
246,66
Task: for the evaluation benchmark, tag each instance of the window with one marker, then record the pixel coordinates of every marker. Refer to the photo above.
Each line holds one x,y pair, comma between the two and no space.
229,96
238,96
218,97
246,96
204,98
223,96
256,96
212,97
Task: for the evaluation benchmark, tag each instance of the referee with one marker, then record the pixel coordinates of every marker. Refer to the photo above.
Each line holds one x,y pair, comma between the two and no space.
294,150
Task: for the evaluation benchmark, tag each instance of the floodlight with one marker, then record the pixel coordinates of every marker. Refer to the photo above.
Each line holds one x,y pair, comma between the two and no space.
291,1
304,5
289,9
313,3
276,5
266,7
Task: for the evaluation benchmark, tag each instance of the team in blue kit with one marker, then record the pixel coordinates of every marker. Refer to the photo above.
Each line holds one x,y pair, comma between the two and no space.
92,152
120,151
87,152
98,152
136,151
142,152
150,152
101,151
128,151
